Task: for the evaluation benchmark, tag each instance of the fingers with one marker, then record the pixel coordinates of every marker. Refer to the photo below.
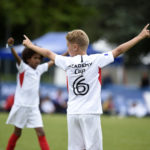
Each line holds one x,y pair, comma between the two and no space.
26,41
10,41
26,37
146,26
147,30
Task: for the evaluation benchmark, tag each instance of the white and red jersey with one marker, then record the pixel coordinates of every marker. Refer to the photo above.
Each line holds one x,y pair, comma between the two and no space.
28,82
84,81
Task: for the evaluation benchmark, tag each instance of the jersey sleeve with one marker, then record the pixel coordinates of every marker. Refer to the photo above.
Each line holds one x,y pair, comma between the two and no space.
42,68
21,67
62,61
105,59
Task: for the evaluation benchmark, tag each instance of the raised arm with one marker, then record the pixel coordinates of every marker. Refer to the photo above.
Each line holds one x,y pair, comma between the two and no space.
10,43
42,51
145,33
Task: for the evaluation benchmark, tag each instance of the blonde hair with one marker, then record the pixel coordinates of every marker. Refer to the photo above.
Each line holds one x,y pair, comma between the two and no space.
79,37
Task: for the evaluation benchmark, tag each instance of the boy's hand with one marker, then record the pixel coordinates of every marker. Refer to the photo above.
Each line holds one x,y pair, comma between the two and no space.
145,32
10,41
27,41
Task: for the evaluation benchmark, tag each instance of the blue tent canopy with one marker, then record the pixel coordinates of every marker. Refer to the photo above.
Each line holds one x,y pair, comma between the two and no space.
55,41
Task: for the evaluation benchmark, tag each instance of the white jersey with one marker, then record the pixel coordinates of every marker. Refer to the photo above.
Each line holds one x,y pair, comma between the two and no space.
84,81
28,82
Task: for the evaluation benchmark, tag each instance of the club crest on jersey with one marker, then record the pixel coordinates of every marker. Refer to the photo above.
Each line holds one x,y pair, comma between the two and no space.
106,54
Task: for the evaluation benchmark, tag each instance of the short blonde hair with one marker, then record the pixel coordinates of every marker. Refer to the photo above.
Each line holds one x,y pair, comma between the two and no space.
79,37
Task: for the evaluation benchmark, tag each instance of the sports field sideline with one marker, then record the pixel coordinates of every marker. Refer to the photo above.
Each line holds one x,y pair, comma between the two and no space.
118,133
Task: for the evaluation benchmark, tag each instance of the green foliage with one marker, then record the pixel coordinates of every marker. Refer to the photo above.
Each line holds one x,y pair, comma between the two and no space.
115,20
119,21
36,17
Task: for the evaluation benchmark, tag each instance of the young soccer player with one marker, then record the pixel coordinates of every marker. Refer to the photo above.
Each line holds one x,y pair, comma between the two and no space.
84,86
25,111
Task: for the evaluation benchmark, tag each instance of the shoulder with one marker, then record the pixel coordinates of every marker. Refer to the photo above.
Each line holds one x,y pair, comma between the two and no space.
102,55
61,59
43,65
93,56
22,65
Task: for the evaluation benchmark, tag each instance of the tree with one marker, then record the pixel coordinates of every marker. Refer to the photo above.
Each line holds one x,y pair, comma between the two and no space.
119,21
36,17
115,20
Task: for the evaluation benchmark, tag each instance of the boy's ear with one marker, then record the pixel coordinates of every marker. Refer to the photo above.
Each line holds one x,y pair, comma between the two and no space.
75,47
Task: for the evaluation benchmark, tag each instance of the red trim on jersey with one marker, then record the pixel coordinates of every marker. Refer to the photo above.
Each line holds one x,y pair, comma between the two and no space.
67,83
100,76
21,78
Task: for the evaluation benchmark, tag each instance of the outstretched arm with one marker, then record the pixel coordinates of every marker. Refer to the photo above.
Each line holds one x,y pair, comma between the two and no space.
126,46
10,43
42,51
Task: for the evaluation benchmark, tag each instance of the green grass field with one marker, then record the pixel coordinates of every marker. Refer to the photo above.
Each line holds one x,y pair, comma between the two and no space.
118,134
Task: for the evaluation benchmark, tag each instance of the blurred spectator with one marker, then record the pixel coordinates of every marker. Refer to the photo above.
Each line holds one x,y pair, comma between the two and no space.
106,79
121,106
108,106
47,106
137,109
60,102
9,102
146,96
144,80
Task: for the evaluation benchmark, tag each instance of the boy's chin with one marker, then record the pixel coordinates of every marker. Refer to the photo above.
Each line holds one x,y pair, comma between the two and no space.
34,67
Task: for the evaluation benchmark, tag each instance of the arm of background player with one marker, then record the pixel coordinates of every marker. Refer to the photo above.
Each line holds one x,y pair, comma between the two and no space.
10,43
51,63
42,51
126,46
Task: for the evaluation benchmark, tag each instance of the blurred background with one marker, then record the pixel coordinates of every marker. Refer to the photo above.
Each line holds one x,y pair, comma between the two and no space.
125,83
